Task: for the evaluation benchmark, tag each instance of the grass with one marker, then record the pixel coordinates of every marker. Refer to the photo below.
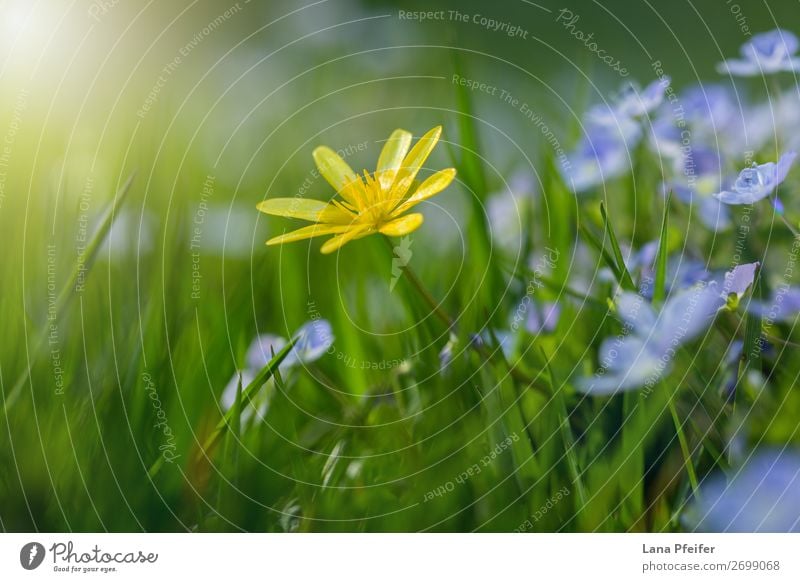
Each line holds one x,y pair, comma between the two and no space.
354,442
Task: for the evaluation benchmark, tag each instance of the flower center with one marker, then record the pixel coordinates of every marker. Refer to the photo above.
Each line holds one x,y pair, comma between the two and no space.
750,179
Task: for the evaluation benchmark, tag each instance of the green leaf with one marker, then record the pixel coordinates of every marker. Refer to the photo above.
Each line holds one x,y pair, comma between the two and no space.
624,277
752,332
247,395
567,438
660,285
67,291
470,168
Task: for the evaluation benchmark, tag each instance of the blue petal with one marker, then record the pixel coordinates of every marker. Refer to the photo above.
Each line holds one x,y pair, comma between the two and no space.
739,279
314,339
686,315
761,496
260,351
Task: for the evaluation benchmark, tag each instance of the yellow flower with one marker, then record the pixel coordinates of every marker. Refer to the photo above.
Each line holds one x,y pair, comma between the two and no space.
368,204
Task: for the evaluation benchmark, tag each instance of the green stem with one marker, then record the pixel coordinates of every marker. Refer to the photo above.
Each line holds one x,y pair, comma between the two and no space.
791,228
423,292
420,288
687,457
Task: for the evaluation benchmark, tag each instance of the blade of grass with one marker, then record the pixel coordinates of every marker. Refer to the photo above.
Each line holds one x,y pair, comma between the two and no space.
247,396
687,457
751,356
660,285
597,244
470,166
567,438
626,280
67,291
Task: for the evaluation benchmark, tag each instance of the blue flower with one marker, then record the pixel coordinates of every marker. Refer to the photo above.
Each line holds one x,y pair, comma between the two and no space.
601,155
758,181
701,179
506,209
763,495
448,352
542,317
612,133
739,279
642,355
628,107
634,102
784,305
710,106
314,338
769,52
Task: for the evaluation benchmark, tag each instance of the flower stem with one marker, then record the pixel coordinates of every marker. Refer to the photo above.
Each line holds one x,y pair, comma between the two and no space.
789,225
423,292
687,457
479,347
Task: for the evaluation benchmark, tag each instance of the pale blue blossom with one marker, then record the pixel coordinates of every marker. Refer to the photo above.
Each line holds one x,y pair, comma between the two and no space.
739,279
448,352
699,179
710,108
762,495
783,306
613,131
507,209
542,317
766,53
314,339
758,181
643,353
630,104
601,155
635,102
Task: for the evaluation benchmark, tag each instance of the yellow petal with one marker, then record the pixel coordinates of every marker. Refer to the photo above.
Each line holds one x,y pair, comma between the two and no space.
402,226
305,209
334,169
392,155
430,187
337,242
414,160
309,232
